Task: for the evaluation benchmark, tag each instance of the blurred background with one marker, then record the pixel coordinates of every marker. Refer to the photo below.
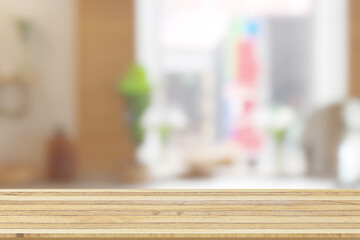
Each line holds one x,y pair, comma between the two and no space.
179,94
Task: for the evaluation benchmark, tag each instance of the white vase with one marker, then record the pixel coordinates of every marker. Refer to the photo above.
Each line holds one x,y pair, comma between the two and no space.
348,172
349,160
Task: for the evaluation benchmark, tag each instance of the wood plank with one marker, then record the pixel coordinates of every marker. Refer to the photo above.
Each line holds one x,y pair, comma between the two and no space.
177,213
180,214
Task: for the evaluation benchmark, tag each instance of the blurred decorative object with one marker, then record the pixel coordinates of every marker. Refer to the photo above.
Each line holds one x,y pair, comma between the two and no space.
14,88
136,89
205,161
166,121
322,136
277,120
61,157
152,126
23,27
293,152
349,149
159,151
25,71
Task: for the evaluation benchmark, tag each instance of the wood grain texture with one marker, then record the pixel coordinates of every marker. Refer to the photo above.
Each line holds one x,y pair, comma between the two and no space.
180,214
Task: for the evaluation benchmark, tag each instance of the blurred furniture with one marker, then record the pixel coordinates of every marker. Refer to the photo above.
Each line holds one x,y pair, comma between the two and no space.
323,133
105,52
354,48
179,214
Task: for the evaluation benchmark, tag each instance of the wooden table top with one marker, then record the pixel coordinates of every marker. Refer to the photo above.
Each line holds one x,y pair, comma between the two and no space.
164,214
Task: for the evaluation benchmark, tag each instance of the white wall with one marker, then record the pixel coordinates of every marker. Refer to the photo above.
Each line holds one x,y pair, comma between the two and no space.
52,101
331,52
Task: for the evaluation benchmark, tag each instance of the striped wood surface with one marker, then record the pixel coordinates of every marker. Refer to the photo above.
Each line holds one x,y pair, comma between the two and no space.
164,214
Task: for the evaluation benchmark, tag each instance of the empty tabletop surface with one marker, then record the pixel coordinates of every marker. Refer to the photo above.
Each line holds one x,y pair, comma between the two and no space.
217,214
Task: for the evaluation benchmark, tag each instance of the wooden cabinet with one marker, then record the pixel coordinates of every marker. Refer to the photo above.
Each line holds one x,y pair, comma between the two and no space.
105,33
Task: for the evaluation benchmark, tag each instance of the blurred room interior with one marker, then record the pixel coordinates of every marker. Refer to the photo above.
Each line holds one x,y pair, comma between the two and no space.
179,94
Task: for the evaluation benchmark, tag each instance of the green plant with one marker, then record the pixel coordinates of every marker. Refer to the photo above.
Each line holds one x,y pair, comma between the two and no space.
135,88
